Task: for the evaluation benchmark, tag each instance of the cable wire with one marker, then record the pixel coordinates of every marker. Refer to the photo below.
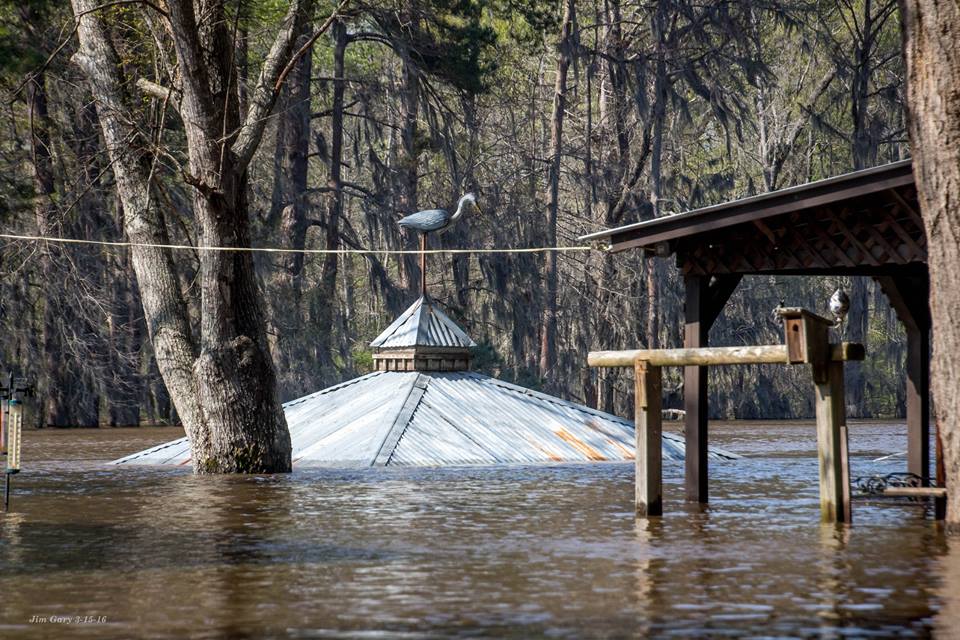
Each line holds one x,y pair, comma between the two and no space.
187,247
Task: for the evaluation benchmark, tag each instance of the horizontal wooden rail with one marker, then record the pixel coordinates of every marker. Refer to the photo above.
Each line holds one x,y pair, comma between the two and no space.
766,354
915,492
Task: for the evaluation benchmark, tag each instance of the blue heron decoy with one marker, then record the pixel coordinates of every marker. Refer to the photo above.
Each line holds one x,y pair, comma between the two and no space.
431,220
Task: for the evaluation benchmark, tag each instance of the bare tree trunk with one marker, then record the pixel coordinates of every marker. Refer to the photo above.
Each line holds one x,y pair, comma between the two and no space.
225,391
328,275
660,97
160,291
56,411
858,320
289,207
931,31
409,160
548,332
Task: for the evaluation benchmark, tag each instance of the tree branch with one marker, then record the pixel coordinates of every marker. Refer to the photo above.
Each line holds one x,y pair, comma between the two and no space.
309,43
160,92
272,74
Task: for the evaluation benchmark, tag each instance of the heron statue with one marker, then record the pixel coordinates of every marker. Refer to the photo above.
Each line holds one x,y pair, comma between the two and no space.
435,220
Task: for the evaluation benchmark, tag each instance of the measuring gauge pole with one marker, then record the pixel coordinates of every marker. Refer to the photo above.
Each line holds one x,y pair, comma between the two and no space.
3,427
14,429
11,394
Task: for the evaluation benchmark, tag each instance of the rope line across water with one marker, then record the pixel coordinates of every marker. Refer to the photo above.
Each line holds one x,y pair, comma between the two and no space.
187,247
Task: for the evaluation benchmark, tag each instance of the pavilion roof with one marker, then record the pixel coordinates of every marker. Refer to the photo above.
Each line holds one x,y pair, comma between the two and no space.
656,234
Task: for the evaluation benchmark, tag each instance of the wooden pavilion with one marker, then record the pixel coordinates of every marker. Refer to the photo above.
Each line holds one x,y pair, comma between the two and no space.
865,223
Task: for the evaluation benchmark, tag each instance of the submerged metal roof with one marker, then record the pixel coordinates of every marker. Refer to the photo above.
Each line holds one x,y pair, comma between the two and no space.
392,418
423,325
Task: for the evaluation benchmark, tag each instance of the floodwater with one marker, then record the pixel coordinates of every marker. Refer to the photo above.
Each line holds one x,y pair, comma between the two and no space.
539,551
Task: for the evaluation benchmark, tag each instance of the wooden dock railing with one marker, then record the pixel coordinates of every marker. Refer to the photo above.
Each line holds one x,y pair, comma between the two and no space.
806,341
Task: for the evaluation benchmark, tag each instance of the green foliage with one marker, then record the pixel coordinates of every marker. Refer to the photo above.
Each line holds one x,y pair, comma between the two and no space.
362,358
447,39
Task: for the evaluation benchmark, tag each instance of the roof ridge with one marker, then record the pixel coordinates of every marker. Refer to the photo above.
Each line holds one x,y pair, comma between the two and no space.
336,387
402,421
394,326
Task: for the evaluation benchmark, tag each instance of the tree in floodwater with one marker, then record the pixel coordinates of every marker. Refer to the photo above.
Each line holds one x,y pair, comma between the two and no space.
931,31
222,380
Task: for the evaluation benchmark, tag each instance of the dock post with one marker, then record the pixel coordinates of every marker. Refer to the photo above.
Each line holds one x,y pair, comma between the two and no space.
649,454
832,451
696,333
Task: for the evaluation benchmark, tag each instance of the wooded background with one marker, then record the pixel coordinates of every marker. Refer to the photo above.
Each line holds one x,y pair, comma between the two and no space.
564,118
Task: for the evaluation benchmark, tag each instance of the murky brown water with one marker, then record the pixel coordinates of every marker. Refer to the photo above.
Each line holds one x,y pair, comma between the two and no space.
475,552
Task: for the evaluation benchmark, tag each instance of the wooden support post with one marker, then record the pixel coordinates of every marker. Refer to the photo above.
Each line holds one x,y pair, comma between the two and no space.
423,265
649,454
940,504
705,299
695,335
909,296
918,403
832,449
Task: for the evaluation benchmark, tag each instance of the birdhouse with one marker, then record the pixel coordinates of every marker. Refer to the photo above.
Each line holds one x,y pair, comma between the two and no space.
806,336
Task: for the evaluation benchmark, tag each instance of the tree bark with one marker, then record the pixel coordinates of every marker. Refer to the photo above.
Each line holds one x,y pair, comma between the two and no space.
931,31
56,412
328,273
290,208
163,304
409,160
548,331
223,385
661,85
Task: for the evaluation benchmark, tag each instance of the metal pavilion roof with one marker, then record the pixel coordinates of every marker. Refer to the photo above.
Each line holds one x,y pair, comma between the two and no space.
414,418
423,325
433,417
865,183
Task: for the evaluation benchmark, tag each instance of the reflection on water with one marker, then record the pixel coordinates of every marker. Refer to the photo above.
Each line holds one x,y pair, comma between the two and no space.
516,552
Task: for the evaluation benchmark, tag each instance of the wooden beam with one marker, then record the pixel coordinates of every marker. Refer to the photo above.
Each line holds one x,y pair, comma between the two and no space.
915,492
909,297
705,299
909,208
831,448
718,292
838,251
854,240
918,404
697,322
876,234
907,240
648,460
715,356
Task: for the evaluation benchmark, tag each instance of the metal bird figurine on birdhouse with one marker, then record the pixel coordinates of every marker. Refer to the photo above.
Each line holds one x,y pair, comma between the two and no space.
839,306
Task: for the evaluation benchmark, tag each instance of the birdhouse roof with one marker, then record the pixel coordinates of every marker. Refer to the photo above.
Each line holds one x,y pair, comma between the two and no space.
424,324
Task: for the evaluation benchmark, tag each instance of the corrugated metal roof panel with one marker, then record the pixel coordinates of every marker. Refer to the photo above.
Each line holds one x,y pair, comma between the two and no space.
510,424
423,325
173,452
453,418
